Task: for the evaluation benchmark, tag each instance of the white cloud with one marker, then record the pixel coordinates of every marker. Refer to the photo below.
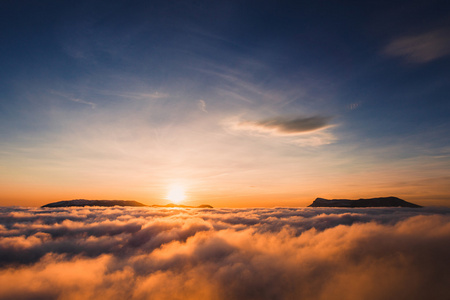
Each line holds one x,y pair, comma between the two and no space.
202,105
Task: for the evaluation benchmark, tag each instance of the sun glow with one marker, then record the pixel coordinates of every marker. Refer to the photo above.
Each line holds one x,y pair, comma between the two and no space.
176,194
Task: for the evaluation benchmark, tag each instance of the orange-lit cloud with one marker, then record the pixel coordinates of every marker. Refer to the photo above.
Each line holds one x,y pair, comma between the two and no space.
284,253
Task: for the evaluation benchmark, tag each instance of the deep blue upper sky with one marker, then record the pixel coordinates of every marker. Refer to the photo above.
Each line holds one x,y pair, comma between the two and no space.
341,88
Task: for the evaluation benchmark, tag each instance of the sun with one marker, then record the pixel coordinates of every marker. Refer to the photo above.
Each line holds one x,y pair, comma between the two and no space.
176,194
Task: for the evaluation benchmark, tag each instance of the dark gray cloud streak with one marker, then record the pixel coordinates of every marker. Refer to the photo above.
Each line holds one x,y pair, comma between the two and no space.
286,125
265,253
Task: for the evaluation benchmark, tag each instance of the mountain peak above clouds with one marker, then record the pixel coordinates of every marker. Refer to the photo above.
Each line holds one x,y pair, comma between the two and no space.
108,203
371,202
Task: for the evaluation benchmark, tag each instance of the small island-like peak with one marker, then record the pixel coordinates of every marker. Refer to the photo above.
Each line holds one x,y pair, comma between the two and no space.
109,203
84,202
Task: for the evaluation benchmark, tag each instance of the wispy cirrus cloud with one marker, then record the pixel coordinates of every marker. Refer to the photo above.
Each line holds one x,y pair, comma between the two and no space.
135,95
421,48
74,99
201,104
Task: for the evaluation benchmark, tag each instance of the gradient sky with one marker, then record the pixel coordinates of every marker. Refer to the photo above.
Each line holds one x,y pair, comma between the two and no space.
240,103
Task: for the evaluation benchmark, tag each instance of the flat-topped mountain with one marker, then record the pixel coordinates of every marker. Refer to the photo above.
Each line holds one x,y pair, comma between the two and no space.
84,202
372,202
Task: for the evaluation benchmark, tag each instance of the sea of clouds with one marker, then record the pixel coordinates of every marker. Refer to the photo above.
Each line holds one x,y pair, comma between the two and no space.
254,253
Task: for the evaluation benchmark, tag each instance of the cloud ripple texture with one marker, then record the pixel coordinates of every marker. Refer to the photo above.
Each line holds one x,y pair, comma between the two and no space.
258,253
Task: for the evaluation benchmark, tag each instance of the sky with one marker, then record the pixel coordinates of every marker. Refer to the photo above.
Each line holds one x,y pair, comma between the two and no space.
229,103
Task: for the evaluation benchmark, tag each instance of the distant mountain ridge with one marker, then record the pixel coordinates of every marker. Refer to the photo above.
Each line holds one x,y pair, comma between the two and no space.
109,203
371,202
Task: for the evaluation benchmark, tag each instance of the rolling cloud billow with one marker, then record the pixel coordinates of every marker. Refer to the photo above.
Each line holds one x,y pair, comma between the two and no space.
261,253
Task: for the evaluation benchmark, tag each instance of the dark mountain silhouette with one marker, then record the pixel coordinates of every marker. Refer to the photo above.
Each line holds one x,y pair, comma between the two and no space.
84,202
372,202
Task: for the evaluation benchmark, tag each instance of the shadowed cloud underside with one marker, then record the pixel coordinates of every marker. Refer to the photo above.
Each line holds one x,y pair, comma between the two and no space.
283,253
286,125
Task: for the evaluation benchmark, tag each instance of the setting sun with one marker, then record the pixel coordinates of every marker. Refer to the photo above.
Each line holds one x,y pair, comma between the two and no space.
176,194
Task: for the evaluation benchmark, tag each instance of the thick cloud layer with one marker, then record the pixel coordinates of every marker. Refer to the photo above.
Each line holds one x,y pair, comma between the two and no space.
280,253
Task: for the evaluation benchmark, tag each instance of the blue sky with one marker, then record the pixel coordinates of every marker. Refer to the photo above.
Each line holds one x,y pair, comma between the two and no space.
255,103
